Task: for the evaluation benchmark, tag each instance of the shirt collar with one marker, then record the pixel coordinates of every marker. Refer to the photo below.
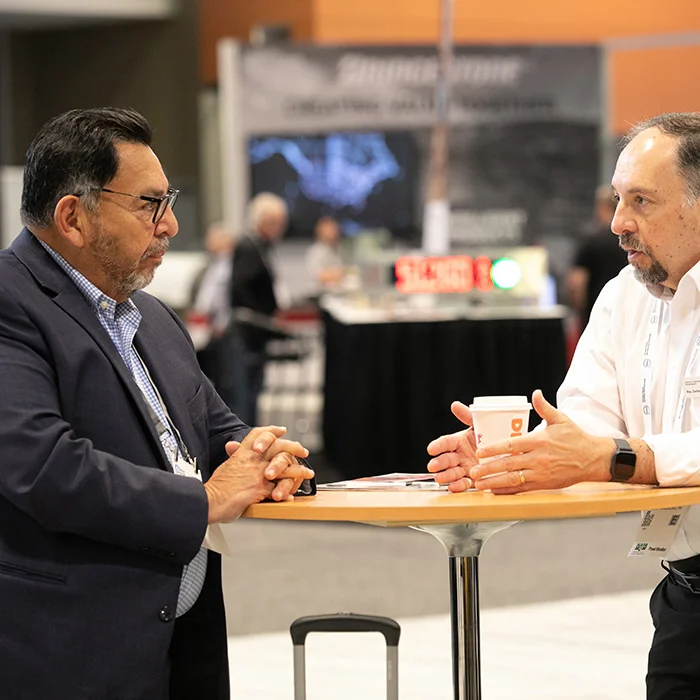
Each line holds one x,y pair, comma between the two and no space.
692,277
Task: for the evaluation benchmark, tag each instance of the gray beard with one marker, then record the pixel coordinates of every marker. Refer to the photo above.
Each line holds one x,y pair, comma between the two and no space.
652,276
126,284
655,274
135,281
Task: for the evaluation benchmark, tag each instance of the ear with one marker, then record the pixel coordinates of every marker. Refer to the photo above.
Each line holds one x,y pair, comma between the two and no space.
70,219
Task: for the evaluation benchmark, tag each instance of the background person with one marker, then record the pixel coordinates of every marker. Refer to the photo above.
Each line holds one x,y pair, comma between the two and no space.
323,260
210,311
598,259
627,409
107,430
253,299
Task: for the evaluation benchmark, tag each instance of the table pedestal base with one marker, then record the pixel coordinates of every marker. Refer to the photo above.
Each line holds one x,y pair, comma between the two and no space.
463,543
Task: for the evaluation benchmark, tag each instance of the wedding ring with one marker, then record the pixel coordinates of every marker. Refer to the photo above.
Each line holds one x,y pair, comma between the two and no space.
521,475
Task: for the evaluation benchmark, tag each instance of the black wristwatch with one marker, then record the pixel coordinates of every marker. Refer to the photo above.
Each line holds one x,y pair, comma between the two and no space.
623,461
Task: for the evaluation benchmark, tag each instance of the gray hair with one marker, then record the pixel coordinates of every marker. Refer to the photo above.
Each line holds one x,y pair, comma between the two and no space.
263,204
685,128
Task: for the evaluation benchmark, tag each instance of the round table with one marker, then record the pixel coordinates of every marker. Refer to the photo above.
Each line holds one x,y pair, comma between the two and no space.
462,523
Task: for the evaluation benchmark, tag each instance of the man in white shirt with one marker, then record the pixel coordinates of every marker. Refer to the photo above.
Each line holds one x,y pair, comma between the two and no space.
628,410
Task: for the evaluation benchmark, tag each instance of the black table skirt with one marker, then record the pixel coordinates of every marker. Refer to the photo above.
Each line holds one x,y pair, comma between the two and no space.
388,387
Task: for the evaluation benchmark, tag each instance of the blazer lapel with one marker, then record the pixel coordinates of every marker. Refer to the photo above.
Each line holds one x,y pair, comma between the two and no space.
69,298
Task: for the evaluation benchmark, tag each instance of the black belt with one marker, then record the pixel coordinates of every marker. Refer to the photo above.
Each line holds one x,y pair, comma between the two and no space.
685,572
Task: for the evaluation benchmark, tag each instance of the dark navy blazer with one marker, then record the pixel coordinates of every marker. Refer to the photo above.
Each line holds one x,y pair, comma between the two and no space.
94,526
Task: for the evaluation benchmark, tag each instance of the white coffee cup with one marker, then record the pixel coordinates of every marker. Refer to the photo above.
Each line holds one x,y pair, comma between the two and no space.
498,418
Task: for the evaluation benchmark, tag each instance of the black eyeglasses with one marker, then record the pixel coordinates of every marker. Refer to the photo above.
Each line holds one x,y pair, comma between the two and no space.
160,203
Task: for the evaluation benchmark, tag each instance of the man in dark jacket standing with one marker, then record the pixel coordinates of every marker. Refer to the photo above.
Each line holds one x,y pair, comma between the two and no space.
253,299
598,259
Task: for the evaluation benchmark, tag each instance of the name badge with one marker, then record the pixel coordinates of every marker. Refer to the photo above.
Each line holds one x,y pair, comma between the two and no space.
657,531
692,387
187,468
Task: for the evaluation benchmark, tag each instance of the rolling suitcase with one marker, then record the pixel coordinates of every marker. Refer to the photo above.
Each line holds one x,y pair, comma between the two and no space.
346,622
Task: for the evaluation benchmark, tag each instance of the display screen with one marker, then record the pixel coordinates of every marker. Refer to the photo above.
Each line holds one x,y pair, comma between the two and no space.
456,273
364,180
519,272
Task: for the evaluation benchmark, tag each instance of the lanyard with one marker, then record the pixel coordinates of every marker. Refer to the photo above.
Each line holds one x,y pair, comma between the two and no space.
158,423
656,535
648,358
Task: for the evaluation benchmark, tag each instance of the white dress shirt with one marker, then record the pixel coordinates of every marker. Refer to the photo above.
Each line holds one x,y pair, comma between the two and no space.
611,380
319,258
214,296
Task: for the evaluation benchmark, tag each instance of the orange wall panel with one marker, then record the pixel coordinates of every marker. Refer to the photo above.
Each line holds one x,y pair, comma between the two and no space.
645,83
546,21
235,18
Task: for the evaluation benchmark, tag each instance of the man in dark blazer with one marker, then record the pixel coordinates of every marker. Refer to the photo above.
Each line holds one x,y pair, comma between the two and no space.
107,430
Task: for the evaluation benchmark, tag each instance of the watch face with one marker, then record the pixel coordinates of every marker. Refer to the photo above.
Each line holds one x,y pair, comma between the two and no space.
627,459
621,471
623,461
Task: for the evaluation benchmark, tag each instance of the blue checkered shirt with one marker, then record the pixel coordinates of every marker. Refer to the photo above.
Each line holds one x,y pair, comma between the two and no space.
121,321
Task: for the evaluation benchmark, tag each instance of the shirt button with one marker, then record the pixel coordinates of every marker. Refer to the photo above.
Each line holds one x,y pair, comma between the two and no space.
104,305
166,614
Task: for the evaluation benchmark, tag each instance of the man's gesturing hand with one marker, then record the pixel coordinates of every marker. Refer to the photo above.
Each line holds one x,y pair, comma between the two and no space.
560,455
453,455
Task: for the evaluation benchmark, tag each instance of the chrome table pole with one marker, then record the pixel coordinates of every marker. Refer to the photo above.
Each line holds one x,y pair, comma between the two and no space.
463,543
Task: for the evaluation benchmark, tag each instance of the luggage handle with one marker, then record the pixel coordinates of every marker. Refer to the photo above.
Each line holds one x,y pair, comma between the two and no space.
345,622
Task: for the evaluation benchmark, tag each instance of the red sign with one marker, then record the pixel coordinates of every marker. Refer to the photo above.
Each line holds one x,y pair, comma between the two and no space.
440,275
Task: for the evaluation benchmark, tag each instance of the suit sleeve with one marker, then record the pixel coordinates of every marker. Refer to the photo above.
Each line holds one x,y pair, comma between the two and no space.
61,480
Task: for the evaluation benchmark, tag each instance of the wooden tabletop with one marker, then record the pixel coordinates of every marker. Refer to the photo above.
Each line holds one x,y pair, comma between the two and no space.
396,508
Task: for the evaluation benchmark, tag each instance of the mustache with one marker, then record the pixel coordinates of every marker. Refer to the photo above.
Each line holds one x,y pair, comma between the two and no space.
158,248
629,241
